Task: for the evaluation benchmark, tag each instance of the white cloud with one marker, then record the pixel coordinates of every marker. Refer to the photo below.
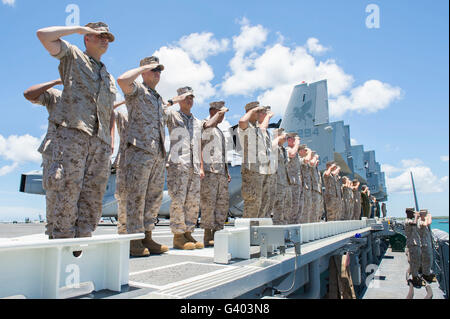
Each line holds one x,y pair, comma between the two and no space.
273,73
314,47
19,150
199,46
424,179
370,97
9,2
444,158
353,141
180,70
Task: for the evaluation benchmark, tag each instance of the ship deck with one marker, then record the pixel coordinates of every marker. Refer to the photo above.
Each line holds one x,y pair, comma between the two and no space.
149,276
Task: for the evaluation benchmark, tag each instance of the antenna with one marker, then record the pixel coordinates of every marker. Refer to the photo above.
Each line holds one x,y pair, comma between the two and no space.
414,192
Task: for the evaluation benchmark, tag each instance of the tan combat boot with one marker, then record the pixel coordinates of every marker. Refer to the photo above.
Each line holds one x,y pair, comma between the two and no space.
198,245
180,242
137,249
208,239
152,246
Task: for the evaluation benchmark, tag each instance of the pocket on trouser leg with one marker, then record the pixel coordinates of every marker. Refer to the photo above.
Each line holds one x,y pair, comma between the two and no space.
53,179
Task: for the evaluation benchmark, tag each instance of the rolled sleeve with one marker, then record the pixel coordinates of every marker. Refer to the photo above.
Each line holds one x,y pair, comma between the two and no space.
65,48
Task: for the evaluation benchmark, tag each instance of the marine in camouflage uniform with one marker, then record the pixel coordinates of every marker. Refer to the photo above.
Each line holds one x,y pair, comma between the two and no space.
283,202
80,164
330,196
184,169
316,194
214,195
339,195
255,170
413,242
49,98
426,245
306,215
294,177
356,201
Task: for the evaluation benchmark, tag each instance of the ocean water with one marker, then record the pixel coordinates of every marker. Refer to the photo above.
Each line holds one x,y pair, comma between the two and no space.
442,226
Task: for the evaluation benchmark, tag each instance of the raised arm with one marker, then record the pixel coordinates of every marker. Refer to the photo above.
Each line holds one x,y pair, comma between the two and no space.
119,104
126,80
292,152
265,124
329,170
212,122
50,37
33,92
243,122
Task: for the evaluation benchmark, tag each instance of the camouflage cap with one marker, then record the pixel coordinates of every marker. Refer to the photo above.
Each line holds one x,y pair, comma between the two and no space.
186,91
302,147
409,210
103,27
423,211
151,60
292,134
251,105
330,163
219,105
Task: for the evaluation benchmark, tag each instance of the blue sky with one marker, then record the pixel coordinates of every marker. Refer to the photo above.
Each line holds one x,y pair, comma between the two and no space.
389,83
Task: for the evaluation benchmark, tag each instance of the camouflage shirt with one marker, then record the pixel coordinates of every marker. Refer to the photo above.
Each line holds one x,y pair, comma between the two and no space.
146,119
185,140
214,150
424,233
89,93
315,180
306,175
282,174
330,188
293,169
256,149
49,99
122,124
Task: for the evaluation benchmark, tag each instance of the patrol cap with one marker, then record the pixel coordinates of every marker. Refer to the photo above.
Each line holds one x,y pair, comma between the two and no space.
330,163
423,211
219,105
186,91
409,211
251,105
302,147
291,134
151,60
103,27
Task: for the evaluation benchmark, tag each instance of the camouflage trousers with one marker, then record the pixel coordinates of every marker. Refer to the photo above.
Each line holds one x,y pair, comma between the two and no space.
50,195
356,210
268,203
144,180
340,209
283,205
184,190
78,175
427,258
350,209
317,206
256,193
301,213
214,201
414,258
292,216
120,193
307,213
332,209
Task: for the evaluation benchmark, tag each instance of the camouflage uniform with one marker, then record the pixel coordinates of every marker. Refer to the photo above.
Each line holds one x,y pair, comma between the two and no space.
49,99
81,154
293,170
214,200
426,247
413,245
331,198
283,202
306,215
144,158
348,202
119,164
316,195
183,172
356,204
255,170
339,198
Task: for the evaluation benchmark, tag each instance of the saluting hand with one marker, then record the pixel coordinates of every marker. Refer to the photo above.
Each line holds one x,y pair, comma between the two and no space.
87,30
